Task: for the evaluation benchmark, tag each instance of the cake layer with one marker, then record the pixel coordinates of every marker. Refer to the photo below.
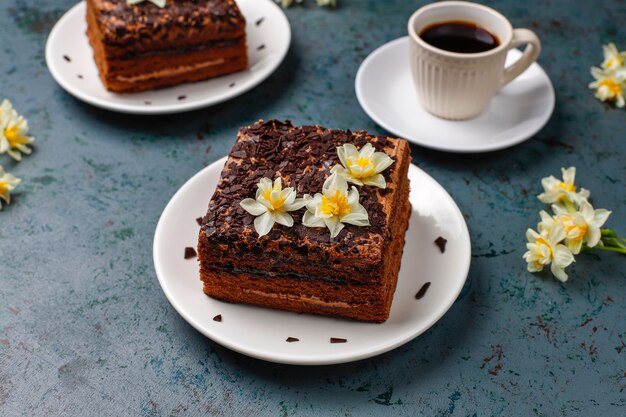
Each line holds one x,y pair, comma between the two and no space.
282,291
198,44
145,27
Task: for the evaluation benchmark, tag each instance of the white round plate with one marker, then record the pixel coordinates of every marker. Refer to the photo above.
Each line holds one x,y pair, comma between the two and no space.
386,92
262,333
70,61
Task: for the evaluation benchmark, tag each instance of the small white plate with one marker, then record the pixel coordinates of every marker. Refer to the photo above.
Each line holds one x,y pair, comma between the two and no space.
262,333
386,92
70,60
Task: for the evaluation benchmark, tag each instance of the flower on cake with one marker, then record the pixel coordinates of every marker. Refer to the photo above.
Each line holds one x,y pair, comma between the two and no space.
610,80
14,138
160,3
335,206
562,192
362,167
574,227
7,184
545,249
272,204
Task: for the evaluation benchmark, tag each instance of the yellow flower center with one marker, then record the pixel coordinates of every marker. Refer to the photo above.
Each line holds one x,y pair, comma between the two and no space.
13,136
567,187
567,222
542,242
366,165
614,62
612,86
276,203
4,187
336,205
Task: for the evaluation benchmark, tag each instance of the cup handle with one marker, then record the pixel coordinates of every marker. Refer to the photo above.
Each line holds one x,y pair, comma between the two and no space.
531,53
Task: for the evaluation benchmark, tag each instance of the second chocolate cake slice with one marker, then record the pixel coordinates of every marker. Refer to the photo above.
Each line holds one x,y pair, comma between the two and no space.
300,268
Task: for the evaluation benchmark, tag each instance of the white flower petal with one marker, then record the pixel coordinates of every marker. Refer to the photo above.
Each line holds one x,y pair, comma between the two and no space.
357,219
263,224
592,237
334,226
375,181
381,161
283,218
334,182
600,216
297,204
252,206
569,175
562,256
559,273
367,151
309,220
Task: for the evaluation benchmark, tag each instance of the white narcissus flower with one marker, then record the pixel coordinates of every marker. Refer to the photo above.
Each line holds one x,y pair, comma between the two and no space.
613,59
545,249
14,138
329,3
582,226
335,206
362,167
287,3
272,204
610,85
7,184
160,3
557,191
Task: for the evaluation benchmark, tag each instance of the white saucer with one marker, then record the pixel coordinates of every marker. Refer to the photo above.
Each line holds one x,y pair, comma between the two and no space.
386,92
70,60
262,333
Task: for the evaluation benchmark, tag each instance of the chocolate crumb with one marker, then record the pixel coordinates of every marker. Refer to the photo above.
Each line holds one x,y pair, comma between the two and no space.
258,22
67,58
441,243
199,221
292,339
182,97
422,291
80,76
190,253
337,340
232,85
147,103
218,318
262,46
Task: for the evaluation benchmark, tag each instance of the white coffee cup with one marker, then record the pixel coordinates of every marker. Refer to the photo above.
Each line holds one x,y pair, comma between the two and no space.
459,86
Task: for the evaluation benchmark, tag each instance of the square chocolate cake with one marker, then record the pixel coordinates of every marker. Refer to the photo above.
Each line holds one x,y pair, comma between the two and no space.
292,266
142,46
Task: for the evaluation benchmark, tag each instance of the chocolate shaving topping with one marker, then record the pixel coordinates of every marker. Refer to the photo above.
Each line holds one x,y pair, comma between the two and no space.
441,243
231,85
80,76
67,58
422,291
218,318
199,221
303,157
260,47
182,97
337,340
292,339
258,22
190,253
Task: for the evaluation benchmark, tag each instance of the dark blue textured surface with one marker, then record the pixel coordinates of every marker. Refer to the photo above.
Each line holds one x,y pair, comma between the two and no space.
86,330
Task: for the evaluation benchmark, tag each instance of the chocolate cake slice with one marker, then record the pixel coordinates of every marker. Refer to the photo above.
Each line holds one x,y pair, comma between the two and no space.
143,47
301,268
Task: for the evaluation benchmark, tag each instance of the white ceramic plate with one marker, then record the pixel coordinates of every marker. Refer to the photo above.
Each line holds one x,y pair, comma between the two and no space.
261,332
386,92
70,60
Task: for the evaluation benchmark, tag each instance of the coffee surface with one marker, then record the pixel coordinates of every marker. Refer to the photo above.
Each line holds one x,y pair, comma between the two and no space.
459,36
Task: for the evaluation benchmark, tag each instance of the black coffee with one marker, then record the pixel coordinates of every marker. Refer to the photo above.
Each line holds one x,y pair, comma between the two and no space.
458,36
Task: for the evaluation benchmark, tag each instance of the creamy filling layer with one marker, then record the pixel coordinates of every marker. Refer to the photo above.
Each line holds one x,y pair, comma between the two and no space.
306,299
169,72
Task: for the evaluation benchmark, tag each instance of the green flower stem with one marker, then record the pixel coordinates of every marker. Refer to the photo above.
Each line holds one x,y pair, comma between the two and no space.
611,249
571,207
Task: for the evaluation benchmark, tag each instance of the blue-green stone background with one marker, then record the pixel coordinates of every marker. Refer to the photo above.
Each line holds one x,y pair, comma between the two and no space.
85,329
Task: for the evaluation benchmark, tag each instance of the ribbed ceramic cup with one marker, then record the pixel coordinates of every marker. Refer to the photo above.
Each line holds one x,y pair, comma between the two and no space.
460,86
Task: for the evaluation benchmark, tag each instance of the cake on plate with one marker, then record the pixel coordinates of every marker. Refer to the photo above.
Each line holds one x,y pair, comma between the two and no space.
308,219
142,46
